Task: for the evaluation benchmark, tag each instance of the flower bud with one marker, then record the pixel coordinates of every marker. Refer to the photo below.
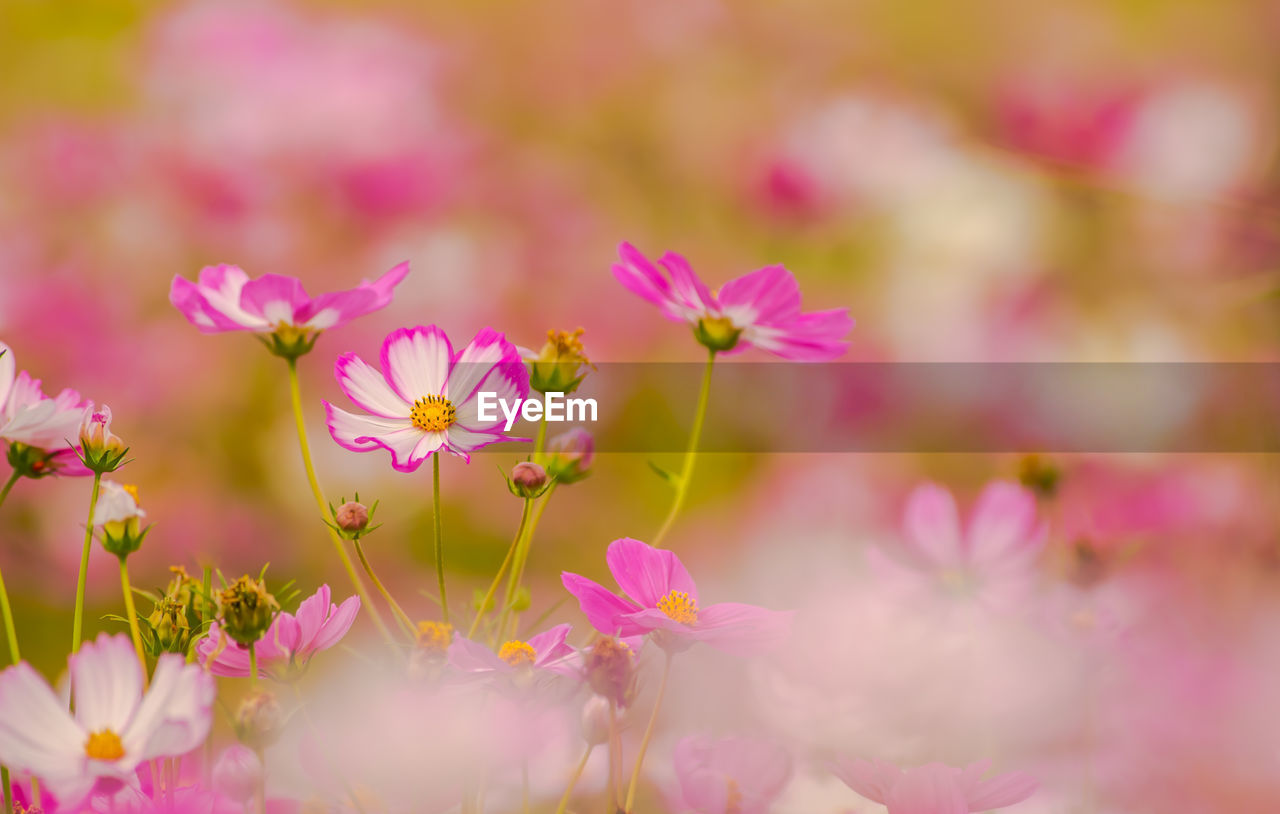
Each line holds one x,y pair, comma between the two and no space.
245,610
558,367
101,449
237,774
595,720
569,455
118,513
610,669
717,333
528,480
259,719
352,516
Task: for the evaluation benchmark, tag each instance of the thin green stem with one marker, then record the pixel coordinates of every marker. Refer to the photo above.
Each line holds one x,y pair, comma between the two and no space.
365,600
691,453
648,734
253,664
573,781
7,789
522,557
10,632
132,613
540,440
502,569
77,626
435,510
8,486
403,618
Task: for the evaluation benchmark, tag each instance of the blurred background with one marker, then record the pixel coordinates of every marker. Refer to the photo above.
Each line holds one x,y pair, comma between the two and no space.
998,181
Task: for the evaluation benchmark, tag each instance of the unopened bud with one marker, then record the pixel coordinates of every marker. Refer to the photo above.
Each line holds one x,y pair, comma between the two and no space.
717,333
237,774
101,449
528,480
595,720
569,455
610,669
559,366
245,610
352,516
259,719
119,514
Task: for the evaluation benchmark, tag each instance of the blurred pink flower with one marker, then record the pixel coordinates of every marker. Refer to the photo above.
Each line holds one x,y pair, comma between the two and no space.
225,299
545,651
934,788
663,600
28,417
760,309
992,558
734,775
288,645
116,727
425,397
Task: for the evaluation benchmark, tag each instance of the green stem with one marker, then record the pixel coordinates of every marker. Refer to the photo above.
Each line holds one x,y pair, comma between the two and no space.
10,632
435,509
502,569
573,781
253,664
77,628
132,612
540,440
7,789
365,600
8,486
401,616
690,455
522,557
648,734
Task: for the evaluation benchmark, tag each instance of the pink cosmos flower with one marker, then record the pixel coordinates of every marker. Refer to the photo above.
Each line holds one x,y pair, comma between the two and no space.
426,396
935,788
733,775
288,645
225,299
116,727
992,558
28,417
545,651
760,309
661,598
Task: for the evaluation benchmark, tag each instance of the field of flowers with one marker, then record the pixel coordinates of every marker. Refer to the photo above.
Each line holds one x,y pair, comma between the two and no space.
841,532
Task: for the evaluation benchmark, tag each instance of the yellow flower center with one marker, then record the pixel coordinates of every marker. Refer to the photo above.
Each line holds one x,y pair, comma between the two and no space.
434,637
132,490
679,606
104,745
433,414
518,654
563,346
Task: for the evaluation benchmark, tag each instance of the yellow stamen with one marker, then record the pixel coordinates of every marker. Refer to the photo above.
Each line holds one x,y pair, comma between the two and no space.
104,745
518,654
680,606
434,637
133,492
433,414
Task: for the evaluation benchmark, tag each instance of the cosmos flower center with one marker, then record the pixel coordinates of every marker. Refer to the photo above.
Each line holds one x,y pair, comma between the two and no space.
518,654
104,745
132,491
434,637
433,414
679,606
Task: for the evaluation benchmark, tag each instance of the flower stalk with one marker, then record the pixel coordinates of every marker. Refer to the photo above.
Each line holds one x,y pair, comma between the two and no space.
77,628
648,732
502,569
406,623
131,612
691,452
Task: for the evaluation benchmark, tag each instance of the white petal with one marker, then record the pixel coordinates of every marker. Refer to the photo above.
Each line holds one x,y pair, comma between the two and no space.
106,681
37,733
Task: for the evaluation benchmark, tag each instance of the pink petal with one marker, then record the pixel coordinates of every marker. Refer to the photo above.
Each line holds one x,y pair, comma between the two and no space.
1003,521
176,713
929,789
106,682
462,442
933,526
408,445
873,780
232,660
213,304
488,362
643,279
340,307
688,287
473,657
281,641
37,733
742,629
7,369
313,611
647,574
416,361
275,298
1001,790
770,293
365,386
339,622
601,607
550,644
814,337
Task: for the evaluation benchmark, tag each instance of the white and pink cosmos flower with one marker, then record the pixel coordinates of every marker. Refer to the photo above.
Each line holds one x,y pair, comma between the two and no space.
425,398
225,299
935,788
116,726
545,651
288,645
760,309
662,599
734,775
28,416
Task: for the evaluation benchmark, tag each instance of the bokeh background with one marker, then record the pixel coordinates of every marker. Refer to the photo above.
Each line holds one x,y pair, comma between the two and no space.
988,181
